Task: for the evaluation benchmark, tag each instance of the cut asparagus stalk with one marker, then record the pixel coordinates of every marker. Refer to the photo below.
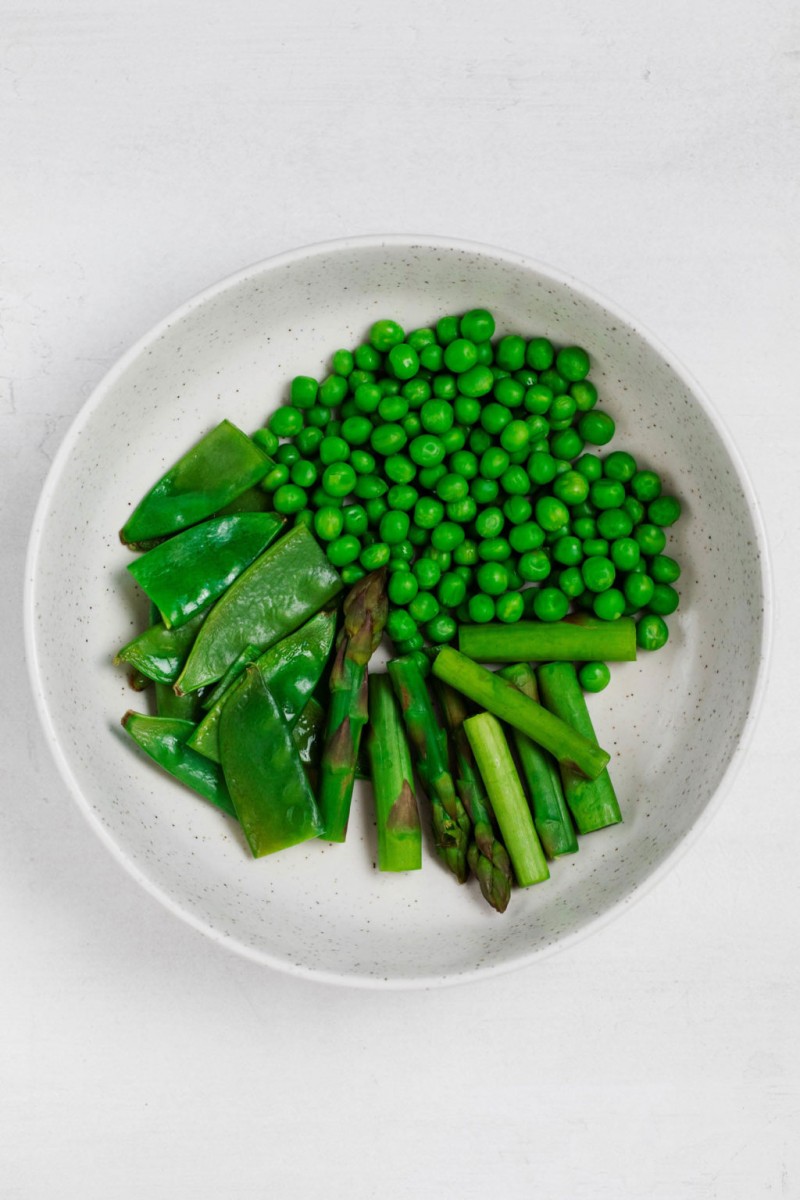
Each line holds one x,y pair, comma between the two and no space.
540,773
504,701
550,641
399,831
511,809
593,803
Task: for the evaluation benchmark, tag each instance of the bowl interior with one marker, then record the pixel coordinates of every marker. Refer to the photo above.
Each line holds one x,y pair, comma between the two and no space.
672,720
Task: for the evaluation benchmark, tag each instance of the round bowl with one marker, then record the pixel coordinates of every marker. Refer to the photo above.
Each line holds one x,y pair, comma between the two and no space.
676,722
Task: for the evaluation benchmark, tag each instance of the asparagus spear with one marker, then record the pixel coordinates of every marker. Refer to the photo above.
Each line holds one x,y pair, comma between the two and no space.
451,825
487,856
399,832
538,769
496,765
505,702
548,641
593,802
365,610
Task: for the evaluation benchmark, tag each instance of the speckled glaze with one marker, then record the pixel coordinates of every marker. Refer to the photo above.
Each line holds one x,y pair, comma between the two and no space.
675,722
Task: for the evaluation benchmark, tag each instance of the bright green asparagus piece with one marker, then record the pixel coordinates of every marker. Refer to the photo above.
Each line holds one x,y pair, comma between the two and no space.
540,772
511,809
504,701
451,824
487,856
365,610
549,641
399,831
593,803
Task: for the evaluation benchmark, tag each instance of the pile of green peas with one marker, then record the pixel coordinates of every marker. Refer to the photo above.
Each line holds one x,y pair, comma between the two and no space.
468,465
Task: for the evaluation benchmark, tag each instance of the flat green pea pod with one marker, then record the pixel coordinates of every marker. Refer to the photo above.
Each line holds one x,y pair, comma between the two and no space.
159,653
164,739
309,734
187,708
212,694
189,571
223,465
265,775
287,584
291,668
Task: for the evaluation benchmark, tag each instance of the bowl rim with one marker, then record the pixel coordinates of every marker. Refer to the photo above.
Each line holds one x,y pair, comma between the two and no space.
276,262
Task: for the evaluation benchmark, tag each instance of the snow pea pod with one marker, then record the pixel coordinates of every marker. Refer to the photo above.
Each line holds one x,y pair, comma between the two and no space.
223,465
263,770
159,653
291,669
188,571
285,586
212,694
309,734
164,739
186,708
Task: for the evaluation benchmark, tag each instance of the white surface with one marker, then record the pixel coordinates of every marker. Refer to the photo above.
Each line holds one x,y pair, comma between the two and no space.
148,150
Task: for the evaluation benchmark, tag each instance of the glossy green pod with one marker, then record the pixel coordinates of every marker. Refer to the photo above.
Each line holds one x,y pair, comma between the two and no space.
285,586
159,653
188,572
223,465
266,778
164,739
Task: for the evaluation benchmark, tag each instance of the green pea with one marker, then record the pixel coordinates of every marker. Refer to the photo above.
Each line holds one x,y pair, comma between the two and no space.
664,599
328,523
342,362
333,450
267,440
584,527
319,416
484,491
595,547
567,550
538,400
573,363
447,535
561,412
452,590
590,466
496,549
403,361
479,440
343,550
540,354
358,377
375,556
437,416
551,513
594,676
288,454
596,428
478,381
606,493
452,487
489,523
478,325
399,469
492,578
550,604
534,565
541,467
402,587
418,536
416,392
651,538
570,581
352,573
412,425
646,486
625,553
638,589
429,476
527,536
332,390
584,394
460,355
384,334
510,352
466,555
567,444
402,497
428,512
634,508
286,421
619,465
308,441
517,509
394,527
400,625
447,330
355,519
555,381
515,480
303,473
367,397
571,487
388,439
664,510
454,439
289,499
493,462
485,353
651,632
464,464
613,523
375,507
509,392
443,628
431,357
426,450
424,607
303,391
664,569
393,409
494,418
515,436
419,338
276,477
509,607
467,410
403,552
339,479
598,573
481,609
609,605
445,387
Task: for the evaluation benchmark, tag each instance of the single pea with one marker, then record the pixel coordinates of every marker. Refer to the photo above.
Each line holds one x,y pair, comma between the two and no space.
402,587
489,522
384,334
428,512
416,392
484,491
319,416
339,479
328,523
651,632
634,508
333,450
367,397
664,569
373,557
590,466
342,362
393,409
357,377
573,363
467,410
478,325
517,510
646,486
286,421
464,463
567,550
594,676
352,573
437,415
368,358
370,488
426,450
571,488
402,361
400,625
566,444
402,497
454,439
492,578
447,329
526,377
515,580
638,589
619,465
595,547
460,355
332,390
584,393
609,605
527,536
509,392
613,523
493,462
303,391
596,428
394,527
412,425
561,412
444,386
267,440
308,441
651,538
399,469
598,573
443,628
276,477
516,436
451,591
452,487
624,553
388,439
540,354
510,352
538,400
389,386
447,535
664,599
355,519
343,550
550,604
570,581
362,462
288,454
534,565
424,607
431,358
419,338
303,473
494,418
485,353
481,608
509,607
442,558
496,549
418,536
288,499
356,430
478,381
664,510
515,480
541,467
584,527
606,493
551,513
375,507
466,555
404,552
479,440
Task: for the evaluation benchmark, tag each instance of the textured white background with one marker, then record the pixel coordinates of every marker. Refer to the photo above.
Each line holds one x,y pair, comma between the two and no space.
148,148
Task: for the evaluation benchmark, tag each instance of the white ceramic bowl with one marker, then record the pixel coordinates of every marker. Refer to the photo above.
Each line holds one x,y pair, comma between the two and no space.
676,722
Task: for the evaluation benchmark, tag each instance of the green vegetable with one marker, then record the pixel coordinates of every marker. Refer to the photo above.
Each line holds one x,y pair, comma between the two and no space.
291,669
399,831
223,464
487,856
510,807
532,641
505,702
286,585
540,772
365,609
159,653
164,739
451,824
189,571
593,803
266,778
